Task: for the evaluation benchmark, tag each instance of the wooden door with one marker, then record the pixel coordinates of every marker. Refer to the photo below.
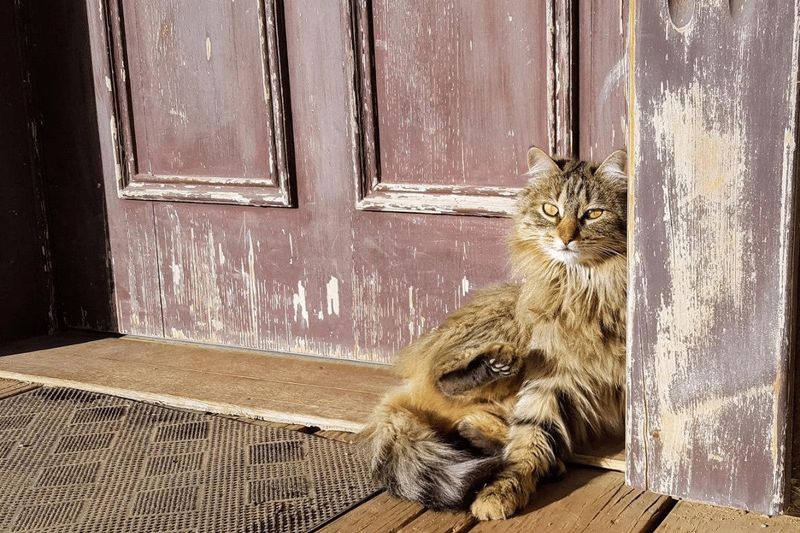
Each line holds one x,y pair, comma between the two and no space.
331,177
713,249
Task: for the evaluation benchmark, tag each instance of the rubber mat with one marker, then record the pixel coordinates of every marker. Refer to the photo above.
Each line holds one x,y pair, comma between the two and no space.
77,461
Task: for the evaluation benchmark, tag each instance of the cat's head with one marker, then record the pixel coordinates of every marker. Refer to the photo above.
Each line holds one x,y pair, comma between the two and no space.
572,212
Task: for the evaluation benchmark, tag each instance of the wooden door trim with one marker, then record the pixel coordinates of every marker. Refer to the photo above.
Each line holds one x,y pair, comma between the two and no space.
561,76
373,195
133,183
712,323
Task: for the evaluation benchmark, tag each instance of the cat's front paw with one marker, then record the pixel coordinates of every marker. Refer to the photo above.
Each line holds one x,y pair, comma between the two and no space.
502,360
497,501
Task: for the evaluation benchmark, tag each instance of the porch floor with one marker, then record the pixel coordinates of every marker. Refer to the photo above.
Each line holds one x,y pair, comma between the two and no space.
586,499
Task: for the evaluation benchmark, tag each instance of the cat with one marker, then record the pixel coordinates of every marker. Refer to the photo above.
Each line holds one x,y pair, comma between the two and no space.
495,398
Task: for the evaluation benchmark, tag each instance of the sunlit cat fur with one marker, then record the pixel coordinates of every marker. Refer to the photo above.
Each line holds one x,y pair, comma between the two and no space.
494,398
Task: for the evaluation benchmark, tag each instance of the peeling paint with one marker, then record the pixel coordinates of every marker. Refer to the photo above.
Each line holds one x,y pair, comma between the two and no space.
299,302
332,296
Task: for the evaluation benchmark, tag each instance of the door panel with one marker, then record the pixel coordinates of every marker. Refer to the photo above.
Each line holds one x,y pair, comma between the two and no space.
602,77
713,214
481,61
332,276
200,98
449,96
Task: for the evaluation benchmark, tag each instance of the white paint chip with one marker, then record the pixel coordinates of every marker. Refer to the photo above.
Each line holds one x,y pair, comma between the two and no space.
299,302
208,48
332,296
177,275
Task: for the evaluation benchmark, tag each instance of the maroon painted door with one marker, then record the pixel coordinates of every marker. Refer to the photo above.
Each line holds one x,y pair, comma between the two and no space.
332,177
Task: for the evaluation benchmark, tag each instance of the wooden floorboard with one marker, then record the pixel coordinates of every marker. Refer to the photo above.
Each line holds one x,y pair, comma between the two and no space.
314,392
689,517
329,394
381,514
586,499
433,522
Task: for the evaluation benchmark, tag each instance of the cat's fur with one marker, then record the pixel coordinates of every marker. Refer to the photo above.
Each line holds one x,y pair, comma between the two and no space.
496,396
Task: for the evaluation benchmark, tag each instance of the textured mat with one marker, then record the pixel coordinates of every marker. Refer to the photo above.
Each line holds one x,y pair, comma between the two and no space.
78,461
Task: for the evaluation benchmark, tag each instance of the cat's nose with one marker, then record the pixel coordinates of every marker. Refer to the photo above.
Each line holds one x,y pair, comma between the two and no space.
567,230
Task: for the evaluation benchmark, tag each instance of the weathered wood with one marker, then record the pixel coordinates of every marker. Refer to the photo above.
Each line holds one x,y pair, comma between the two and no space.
435,522
609,454
131,226
311,392
324,278
321,279
712,225
586,500
602,75
689,517
381,514
447,135
180,117
561,71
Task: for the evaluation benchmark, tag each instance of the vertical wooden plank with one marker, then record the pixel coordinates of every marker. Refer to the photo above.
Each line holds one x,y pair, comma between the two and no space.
712,148
131,227
561,72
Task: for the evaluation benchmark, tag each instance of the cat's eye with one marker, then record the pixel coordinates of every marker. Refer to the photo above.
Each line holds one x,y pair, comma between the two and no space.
592,214
550,210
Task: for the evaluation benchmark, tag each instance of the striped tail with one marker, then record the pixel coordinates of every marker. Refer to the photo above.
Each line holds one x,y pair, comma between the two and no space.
414,462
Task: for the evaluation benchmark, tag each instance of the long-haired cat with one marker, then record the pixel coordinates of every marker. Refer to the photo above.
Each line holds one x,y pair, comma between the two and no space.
494,398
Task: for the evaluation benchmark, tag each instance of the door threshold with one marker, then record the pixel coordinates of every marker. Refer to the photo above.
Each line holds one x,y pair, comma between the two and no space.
329,394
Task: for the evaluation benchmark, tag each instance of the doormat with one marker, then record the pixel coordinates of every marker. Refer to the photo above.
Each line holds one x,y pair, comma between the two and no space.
73,460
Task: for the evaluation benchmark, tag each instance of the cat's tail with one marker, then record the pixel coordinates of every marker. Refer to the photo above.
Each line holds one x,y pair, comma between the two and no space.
413,462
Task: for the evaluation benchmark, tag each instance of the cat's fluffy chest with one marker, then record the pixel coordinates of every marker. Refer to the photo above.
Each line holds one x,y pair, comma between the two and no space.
578,325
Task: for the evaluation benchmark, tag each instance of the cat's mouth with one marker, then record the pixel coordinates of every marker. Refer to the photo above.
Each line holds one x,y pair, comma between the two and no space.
565,253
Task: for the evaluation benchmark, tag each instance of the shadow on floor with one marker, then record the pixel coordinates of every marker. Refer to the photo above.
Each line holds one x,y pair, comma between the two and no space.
48,342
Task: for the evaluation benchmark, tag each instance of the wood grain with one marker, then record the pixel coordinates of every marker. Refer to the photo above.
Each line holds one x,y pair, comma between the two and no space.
712,143
689,517
381,514
561,76
440,522
312,392
194,84
586,500
602,35
131,225
442,112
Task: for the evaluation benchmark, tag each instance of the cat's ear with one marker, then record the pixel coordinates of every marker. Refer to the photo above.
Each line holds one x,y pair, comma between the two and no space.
615,166
539,162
